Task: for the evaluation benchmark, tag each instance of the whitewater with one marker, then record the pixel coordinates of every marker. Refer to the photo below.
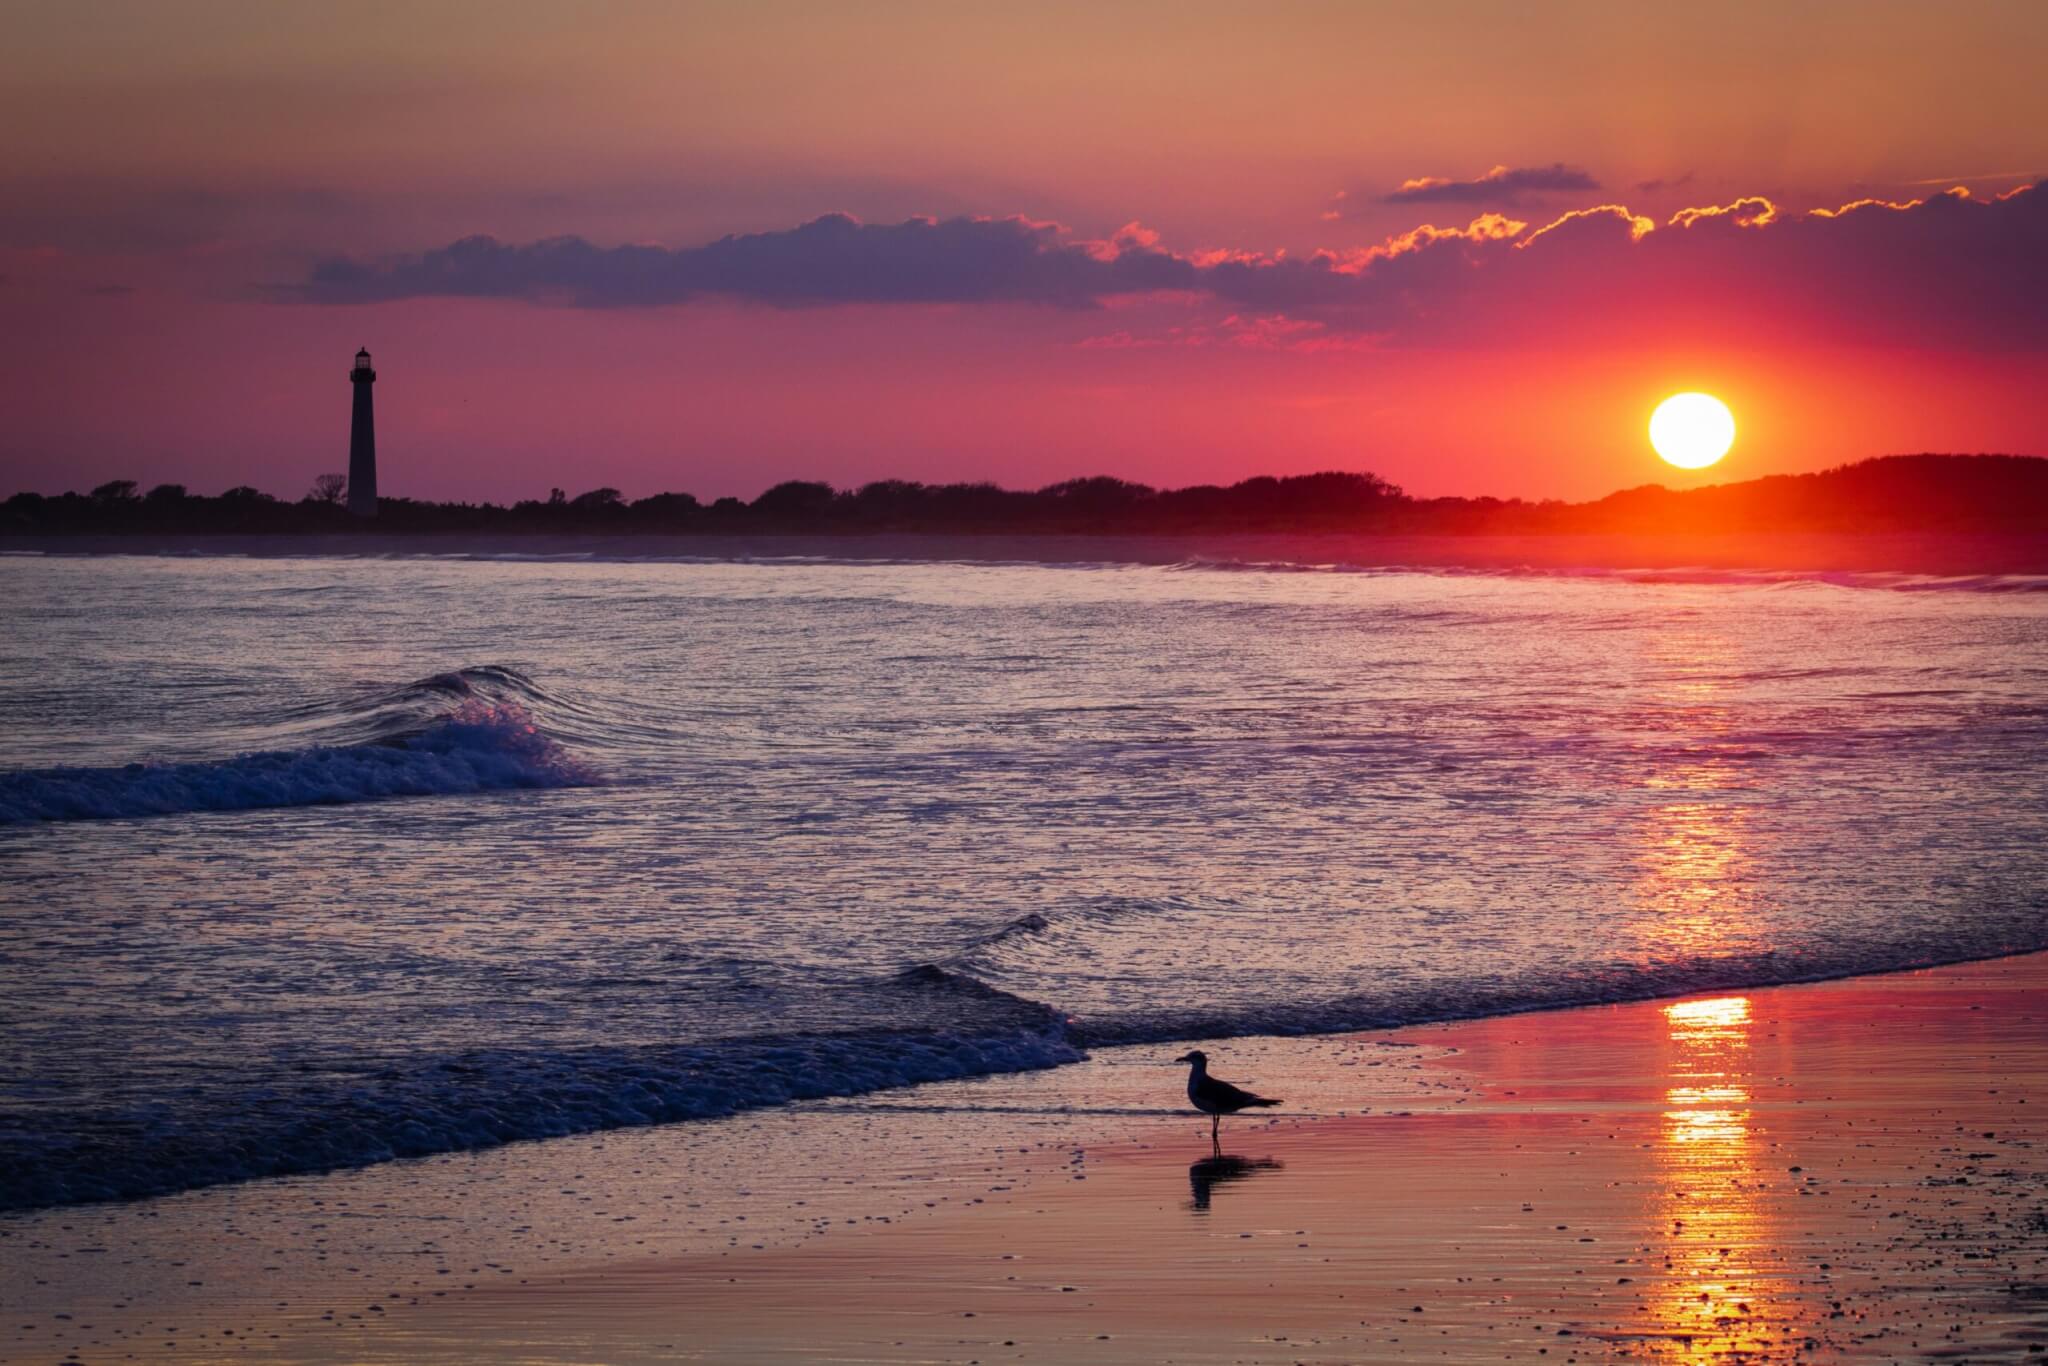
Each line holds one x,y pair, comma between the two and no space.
312,862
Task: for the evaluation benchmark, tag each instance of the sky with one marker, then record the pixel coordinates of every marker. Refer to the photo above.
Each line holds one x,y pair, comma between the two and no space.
708,247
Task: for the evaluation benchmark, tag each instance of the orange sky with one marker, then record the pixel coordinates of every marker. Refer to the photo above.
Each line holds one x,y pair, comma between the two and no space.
173,178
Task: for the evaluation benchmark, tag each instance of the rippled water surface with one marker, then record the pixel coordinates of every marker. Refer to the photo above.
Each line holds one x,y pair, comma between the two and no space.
315,862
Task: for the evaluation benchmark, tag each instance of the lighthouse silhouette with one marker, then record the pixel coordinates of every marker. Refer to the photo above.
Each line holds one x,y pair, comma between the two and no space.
362,440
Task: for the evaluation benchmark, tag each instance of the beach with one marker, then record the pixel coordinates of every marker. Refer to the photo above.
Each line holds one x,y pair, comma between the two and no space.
545,960
1844,1170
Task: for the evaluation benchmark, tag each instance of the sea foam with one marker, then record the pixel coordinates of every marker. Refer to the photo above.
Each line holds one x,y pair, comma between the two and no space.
483,1098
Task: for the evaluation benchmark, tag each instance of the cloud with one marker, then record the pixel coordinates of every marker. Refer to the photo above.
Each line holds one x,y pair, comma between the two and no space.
1611,216
830,260
1752,212
1945,181
1664,183
839,260
1502,185
1951,270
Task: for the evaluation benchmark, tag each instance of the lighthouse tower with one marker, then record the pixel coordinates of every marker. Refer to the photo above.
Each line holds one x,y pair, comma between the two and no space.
362,441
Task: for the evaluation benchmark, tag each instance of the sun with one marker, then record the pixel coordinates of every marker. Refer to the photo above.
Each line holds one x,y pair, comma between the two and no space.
1692,431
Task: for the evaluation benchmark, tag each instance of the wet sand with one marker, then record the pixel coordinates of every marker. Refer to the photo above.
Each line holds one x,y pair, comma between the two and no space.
1849,1170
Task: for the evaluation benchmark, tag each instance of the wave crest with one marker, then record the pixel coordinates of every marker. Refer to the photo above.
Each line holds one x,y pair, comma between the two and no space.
478,746
488,1097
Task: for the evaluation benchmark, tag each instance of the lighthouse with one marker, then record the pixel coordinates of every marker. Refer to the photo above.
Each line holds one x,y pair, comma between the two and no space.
362,440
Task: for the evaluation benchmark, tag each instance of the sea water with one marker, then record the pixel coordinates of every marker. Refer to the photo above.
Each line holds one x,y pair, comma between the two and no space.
317,862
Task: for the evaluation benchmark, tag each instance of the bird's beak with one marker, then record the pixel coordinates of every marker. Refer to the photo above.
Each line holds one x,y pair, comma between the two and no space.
1185,1057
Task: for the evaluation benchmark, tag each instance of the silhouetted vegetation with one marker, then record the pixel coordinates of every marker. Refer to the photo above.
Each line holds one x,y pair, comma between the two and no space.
1893,493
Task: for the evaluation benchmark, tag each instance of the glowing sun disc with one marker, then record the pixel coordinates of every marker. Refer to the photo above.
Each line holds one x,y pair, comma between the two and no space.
1692,431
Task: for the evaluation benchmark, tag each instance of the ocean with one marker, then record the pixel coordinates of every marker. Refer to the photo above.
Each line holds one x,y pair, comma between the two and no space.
310,863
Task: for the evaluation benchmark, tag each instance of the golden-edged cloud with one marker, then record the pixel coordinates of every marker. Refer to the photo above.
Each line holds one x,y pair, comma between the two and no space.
1945,270
1503,185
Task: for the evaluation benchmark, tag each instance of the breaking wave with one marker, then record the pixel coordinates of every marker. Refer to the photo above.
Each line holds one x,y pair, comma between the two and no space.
483,1099
472,730
1050,957
367,1110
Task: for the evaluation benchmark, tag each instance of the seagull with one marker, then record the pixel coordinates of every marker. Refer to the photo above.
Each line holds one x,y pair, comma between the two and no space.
1216,1098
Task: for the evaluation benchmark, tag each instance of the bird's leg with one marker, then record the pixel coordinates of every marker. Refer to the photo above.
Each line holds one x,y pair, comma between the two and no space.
1215,1125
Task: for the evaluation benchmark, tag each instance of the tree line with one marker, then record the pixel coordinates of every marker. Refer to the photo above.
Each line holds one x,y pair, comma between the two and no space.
1889,493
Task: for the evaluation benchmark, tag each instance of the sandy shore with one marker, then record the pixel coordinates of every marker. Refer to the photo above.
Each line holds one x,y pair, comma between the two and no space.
1848,1170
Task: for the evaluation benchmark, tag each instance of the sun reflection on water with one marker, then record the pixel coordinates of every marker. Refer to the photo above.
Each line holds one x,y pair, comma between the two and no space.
1694,895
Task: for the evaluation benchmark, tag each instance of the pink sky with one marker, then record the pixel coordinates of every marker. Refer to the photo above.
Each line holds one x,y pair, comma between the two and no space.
203,214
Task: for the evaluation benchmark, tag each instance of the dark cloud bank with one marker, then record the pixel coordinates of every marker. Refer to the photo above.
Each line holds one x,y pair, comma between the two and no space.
1951,270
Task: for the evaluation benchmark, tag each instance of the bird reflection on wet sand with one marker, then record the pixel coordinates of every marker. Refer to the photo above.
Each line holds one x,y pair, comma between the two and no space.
1221,1169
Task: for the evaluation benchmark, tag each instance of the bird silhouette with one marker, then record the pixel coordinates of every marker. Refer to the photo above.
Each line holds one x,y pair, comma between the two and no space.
1216,1098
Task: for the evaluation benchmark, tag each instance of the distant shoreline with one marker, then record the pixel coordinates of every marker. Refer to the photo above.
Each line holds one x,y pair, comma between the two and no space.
1939,553
1889,495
